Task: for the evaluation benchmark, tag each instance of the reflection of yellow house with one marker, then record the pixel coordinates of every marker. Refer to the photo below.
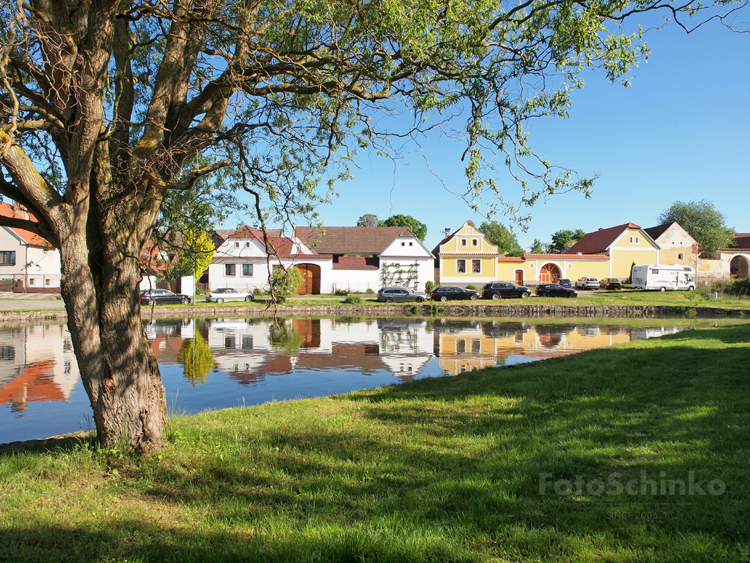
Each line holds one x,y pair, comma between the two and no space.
464,352
465,257
625,245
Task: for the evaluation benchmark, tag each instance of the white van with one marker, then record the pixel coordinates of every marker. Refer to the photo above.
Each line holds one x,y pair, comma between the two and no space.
663,277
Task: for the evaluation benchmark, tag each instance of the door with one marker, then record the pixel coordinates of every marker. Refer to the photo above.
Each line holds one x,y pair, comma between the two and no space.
549,273
519,277
310,278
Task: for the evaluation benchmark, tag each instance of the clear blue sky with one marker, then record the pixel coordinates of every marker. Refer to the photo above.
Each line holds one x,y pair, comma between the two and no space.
680,132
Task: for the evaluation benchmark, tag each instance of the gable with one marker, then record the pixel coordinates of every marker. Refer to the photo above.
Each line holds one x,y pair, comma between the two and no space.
599,241
466,240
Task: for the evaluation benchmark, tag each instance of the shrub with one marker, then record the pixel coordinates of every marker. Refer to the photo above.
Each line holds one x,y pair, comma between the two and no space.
285,282
471,286
353,300
370,291
341,292
428,286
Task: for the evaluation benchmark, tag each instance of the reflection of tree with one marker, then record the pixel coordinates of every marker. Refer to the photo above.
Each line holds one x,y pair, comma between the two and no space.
285,338
196,358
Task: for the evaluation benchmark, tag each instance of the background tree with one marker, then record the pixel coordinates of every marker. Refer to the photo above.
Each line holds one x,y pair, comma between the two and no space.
563,239
284,282
704,223
368,220
499,235
538,247
196,358
195,254
107,107
417,227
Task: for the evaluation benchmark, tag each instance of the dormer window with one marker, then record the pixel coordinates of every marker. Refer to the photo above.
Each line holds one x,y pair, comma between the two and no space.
411,244
680,256
463,242
475,242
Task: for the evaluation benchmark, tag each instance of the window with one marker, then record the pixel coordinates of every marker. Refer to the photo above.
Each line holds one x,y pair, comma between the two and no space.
461,266
476,346
680,256
476,266
631,240
460,346
475,242
230,342
236,244
247,342
411,244
463,242
247,269
403,244
8,258
229,270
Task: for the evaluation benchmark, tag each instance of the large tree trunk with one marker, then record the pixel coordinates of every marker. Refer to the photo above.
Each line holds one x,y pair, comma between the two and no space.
118,367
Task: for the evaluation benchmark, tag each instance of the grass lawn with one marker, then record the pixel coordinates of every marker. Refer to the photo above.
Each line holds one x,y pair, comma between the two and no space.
640,452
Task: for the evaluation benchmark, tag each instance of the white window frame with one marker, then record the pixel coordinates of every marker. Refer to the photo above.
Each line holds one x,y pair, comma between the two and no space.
477,261
459,263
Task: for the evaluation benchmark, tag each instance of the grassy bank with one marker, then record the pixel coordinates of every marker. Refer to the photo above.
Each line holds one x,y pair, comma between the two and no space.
469,468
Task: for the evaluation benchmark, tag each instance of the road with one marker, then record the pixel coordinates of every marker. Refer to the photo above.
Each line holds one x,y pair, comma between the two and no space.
10,301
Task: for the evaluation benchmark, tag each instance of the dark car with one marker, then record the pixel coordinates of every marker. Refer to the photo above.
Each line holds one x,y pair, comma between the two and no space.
393,294
162,297
446,292
555,290
499,289
565,283
610,283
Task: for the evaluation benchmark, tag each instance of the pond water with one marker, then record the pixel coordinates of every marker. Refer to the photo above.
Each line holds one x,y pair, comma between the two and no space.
218,363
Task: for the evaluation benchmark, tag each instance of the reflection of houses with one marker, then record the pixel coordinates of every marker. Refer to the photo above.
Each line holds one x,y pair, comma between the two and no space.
32,263
36,364
245,350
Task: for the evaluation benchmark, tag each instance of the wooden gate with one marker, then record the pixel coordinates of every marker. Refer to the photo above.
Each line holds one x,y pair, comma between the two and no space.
311,278
549,273
519,277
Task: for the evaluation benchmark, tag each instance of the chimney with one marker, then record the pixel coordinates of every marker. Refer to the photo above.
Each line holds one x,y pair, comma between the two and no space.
447,233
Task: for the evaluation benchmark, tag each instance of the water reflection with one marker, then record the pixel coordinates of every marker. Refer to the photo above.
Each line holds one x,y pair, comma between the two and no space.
216,363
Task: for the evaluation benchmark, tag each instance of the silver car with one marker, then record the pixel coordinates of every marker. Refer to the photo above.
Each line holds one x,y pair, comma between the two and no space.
228,294
395,294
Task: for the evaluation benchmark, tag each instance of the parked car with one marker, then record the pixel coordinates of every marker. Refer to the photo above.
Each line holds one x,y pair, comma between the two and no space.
446,292
500,289
610,283
554,290
565,282
587,283
394,294
228,294
162,297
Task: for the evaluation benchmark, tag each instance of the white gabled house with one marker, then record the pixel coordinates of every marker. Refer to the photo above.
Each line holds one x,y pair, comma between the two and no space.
29,260
329,258
370,257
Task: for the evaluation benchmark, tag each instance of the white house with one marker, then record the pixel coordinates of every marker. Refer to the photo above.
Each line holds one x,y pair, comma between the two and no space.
365,258
25,257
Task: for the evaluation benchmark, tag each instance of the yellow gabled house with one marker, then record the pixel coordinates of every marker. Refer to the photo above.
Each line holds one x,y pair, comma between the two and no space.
624,244
465,257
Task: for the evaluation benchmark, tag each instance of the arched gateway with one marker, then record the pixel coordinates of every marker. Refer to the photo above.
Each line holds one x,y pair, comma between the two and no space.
549,273
311,275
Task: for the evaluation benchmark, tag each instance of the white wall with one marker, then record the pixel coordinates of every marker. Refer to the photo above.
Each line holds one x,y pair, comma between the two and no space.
353,280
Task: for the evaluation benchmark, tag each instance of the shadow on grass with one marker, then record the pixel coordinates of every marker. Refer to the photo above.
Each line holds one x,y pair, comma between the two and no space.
632,453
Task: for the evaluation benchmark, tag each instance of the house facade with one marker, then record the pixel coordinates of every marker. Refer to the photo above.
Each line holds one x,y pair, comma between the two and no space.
550,268
625,245
365,258
465,257
29,260
676,246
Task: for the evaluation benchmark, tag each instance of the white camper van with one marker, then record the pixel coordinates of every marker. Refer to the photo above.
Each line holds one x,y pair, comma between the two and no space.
663,277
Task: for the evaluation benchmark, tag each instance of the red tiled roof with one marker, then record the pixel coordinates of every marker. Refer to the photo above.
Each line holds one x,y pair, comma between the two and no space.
510,259
355,263
350,240
599,241
567,256
656,232
742,240
28,237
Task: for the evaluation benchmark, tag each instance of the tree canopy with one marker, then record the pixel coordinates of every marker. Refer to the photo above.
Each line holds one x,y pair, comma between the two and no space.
704,223
108,107
563,239
417,227
499,235
368,220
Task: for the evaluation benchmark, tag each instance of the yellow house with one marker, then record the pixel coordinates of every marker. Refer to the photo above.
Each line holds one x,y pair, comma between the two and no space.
624,244
465,257
550,268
